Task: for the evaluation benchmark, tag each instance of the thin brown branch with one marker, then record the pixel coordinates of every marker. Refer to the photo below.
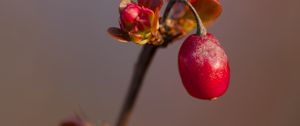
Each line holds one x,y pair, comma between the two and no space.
140,70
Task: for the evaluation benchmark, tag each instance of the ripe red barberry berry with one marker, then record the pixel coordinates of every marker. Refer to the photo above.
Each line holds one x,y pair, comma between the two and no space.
203,67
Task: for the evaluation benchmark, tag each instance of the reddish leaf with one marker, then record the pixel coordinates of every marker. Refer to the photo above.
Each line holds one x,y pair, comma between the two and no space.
154,5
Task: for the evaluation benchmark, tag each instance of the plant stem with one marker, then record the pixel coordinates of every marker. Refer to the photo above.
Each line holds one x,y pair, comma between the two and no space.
140,70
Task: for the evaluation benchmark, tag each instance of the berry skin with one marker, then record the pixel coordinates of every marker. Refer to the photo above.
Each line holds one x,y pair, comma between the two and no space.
203,67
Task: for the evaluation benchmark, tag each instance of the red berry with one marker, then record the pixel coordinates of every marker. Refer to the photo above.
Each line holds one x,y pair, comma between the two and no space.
203,67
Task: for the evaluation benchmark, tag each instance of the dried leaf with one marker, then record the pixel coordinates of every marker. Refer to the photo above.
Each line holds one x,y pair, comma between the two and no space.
118,34
209,10
155,23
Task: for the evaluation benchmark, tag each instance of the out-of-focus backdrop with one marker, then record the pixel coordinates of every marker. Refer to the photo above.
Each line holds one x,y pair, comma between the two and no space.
55,56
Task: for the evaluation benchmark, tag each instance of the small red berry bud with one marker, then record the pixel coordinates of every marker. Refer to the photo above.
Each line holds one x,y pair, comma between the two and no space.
203,67
129,15
138,22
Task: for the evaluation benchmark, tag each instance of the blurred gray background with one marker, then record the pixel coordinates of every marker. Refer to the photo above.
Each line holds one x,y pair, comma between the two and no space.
55,56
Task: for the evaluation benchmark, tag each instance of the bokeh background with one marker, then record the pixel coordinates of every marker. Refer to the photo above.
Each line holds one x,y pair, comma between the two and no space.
56,59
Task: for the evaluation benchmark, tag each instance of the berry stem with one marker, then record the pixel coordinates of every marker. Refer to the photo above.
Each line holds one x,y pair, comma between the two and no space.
201,30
